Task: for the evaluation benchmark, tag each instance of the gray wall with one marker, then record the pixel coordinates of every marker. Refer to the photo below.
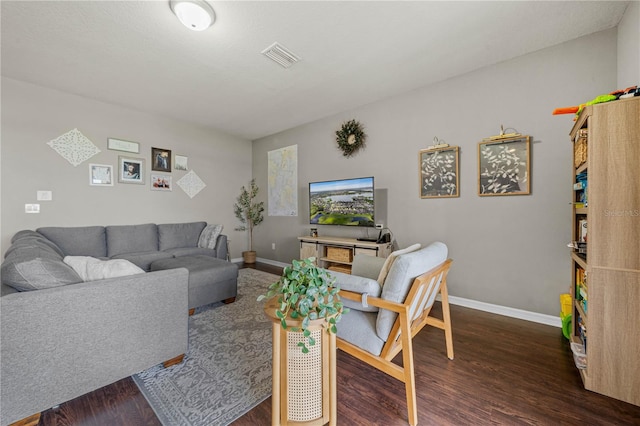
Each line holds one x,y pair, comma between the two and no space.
508,251
32,116
628,49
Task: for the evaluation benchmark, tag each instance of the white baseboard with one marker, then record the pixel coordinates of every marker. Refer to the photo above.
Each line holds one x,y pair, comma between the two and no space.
507,311
469,303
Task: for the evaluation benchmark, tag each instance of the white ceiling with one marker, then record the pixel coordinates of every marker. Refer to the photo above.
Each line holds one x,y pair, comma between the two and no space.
137,54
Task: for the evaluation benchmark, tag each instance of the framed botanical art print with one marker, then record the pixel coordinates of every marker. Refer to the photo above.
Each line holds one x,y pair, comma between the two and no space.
504,167
100,175
439,172
161,159
131,170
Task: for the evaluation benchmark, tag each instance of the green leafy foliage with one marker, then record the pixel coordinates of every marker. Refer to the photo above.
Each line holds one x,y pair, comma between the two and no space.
306,293
249,212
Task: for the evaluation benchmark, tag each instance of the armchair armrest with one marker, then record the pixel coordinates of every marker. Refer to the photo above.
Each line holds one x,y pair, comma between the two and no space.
374,301
358,285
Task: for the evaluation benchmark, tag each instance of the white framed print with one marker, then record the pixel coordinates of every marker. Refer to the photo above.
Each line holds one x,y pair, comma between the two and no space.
161,182
121,145
130,170
100,175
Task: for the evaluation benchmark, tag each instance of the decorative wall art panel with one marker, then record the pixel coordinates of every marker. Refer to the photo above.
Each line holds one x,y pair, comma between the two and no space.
74,147
191,184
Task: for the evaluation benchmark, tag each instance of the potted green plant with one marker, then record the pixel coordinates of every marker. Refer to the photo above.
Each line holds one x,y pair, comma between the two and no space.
249,213
306,296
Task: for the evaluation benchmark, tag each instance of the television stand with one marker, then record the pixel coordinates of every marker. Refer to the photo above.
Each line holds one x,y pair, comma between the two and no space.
336,253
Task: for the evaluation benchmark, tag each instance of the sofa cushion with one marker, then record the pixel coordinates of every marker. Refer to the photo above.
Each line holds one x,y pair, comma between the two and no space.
401,275
24,233
131,239
78,241
191,251
92,269
29,273
177,235
209,236
144,260
36,247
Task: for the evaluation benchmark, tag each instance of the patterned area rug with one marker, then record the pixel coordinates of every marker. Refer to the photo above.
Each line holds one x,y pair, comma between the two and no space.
227,370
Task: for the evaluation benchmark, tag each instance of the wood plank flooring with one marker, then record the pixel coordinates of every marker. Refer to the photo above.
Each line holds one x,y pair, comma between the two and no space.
505,372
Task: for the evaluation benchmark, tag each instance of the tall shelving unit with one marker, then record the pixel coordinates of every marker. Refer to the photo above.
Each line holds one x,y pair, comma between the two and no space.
606,279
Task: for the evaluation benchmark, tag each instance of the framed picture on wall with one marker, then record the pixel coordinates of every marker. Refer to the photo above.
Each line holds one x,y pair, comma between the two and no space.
181,162
161,159
504,167
161,182
100,175
122,145
131,170
439,172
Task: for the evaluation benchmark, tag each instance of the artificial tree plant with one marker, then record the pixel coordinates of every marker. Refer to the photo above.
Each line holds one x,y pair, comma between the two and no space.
249,213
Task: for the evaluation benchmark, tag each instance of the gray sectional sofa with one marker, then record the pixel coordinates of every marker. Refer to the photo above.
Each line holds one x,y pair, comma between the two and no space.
62,337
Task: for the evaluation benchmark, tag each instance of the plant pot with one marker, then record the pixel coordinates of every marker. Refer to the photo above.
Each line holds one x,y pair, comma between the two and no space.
249,256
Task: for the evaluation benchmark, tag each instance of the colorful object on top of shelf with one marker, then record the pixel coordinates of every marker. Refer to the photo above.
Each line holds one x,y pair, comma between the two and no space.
629,92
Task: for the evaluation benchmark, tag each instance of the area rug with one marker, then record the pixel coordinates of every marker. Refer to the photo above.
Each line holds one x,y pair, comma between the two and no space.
227,370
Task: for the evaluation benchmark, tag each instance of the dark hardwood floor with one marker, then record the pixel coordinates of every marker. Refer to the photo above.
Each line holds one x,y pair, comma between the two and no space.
505,371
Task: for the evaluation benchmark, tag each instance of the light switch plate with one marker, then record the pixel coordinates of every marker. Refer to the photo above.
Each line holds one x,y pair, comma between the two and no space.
44,195
32,208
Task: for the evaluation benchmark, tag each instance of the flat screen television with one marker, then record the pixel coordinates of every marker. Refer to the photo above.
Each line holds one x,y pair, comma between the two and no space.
347,202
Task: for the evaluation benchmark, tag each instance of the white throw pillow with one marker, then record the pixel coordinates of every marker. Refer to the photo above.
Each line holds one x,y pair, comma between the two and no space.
92,269
209,236
391,258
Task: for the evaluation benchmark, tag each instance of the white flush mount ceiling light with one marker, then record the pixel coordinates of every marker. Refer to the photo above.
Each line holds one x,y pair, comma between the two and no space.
196,15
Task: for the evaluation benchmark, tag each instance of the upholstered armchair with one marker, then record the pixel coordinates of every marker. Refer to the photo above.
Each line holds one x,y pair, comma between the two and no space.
389,303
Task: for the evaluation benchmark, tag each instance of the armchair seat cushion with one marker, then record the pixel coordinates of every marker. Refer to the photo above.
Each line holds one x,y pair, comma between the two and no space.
359,328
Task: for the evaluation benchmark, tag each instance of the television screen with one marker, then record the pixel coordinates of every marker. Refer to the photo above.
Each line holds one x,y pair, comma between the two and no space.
342,202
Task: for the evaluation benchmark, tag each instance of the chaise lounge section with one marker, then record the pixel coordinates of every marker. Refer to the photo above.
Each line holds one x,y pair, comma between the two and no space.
63,336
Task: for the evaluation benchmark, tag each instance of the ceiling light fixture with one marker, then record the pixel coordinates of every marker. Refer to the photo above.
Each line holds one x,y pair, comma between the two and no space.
196,15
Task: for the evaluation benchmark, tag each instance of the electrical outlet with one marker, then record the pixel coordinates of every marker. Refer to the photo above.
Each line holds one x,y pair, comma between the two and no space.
379,225
273,246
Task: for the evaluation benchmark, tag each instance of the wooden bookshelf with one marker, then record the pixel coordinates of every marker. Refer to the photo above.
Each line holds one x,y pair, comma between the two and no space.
612,261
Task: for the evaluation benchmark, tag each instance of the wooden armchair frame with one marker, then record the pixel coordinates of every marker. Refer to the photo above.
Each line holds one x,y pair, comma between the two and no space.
413,315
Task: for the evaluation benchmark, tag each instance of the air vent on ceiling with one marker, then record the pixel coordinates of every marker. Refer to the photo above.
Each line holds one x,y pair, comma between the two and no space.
280,54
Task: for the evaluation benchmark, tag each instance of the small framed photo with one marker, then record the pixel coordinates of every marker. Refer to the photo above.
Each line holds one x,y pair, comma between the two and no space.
161,159
161,182
504,167
122,145
181,162
439,172
100,175
131,170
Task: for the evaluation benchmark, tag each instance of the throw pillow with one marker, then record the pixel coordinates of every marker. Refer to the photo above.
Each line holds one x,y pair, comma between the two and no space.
26,273
391,258
91,269
209,236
